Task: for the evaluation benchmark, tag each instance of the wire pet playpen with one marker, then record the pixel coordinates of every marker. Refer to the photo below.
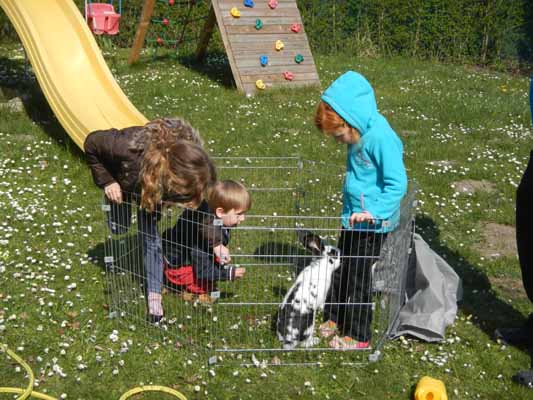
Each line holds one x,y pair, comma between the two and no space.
239,319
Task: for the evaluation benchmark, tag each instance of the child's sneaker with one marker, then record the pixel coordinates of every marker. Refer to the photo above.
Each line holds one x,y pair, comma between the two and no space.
347,343
187,296
205,299
327,329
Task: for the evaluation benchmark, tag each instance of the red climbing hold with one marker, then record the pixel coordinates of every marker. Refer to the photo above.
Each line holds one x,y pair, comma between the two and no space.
170,2
296,28
160,41
288,75
165,21
273,4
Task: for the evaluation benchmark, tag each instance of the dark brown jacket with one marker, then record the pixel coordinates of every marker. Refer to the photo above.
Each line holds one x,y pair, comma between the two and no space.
115,156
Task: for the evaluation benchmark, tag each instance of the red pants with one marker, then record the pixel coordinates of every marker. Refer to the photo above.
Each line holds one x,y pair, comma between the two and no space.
184,276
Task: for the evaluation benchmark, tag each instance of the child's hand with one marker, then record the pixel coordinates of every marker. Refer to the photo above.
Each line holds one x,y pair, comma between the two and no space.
361,217
222,253
113,192
239,272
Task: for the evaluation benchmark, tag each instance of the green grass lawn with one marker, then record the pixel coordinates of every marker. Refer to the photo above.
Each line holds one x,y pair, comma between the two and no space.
457,123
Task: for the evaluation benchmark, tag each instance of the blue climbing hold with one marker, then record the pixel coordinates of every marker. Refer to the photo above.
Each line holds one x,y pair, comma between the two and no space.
249,3
263,60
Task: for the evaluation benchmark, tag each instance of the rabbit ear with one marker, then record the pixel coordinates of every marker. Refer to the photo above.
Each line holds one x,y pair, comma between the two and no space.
311,241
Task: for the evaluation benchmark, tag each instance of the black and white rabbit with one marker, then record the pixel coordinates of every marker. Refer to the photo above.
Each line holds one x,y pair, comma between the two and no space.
296,316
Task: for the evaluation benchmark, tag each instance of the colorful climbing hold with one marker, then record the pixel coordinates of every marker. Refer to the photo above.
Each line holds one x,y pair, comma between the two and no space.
296,28
273,4
171,2
160,41
298,58
258,24
263,60
260,84
165,21
249,3
235,13
279,45
288,75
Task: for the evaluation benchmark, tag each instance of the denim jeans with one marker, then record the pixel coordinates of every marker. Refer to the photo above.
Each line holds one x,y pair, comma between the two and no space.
119,221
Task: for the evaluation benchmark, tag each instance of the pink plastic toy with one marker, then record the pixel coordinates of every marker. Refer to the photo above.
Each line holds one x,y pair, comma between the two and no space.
102,18
273,4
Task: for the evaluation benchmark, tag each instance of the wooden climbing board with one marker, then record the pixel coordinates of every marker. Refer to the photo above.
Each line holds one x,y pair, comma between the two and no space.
250,37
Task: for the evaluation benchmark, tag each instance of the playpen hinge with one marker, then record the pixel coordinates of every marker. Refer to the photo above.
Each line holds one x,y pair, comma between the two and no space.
106,207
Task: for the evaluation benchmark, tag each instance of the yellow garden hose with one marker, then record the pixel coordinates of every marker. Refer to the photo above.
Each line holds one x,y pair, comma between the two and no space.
29,392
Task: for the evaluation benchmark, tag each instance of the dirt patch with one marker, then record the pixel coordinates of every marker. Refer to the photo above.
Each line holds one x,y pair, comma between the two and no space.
510,288
470,186
498,241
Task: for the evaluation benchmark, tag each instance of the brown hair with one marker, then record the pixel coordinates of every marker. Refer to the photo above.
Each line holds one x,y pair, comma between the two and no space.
175,127
174,165
328,121
229,195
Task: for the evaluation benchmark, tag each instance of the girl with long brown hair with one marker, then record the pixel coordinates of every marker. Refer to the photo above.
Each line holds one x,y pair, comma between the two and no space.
159,163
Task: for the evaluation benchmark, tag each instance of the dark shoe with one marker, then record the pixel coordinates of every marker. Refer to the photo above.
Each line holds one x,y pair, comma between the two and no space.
512,336
524,378
154,319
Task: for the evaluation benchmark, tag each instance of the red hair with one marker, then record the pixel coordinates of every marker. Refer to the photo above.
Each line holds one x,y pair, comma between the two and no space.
328,121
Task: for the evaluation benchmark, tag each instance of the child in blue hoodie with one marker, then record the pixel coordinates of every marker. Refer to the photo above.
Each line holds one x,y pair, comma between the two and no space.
374,185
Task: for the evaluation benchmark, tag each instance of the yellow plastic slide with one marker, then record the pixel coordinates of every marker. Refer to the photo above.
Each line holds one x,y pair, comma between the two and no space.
70,69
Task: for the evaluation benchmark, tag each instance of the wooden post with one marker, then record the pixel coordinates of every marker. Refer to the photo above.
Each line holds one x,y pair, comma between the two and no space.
140,35
207,32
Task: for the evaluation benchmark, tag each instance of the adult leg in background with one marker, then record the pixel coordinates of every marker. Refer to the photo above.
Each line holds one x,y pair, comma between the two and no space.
524,242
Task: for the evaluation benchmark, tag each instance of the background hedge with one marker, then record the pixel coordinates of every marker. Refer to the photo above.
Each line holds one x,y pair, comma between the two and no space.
476,31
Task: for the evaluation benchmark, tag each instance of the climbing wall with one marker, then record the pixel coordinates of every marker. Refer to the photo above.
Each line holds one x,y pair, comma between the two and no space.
266,44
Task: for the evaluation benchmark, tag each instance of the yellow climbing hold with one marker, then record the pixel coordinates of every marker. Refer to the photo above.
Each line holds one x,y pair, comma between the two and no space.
235,13
260,84
279,45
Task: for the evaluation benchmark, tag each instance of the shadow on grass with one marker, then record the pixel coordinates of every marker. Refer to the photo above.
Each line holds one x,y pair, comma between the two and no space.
126,251
16,80
215,67
479,299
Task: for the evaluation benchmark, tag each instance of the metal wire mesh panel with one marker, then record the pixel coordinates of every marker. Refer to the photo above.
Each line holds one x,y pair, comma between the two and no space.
300,267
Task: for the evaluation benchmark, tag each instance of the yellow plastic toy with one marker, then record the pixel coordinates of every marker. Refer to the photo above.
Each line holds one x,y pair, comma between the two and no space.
430,389
235,13
260,84
279,45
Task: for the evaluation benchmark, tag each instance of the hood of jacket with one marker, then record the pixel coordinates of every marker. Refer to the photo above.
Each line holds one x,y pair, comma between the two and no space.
352,97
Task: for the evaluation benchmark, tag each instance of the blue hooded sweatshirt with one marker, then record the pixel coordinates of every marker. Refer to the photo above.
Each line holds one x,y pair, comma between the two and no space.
375,178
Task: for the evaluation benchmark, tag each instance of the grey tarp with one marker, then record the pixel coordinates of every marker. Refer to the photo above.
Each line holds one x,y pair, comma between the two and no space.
432,292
